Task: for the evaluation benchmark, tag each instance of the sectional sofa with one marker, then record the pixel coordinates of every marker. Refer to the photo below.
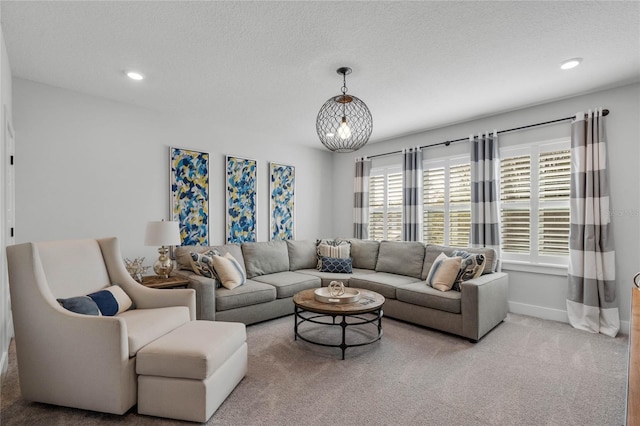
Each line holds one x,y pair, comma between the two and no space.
276,270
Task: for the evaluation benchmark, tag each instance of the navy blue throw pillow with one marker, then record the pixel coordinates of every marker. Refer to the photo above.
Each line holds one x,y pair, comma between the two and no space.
333,264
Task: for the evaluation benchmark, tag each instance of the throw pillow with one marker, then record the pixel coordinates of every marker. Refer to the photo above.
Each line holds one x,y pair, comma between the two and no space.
443,272
471,266
332,248
336,265
109,302
80,305
229,271
202,264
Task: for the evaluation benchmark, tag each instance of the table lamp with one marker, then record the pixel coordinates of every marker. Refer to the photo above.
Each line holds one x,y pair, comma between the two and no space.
162,234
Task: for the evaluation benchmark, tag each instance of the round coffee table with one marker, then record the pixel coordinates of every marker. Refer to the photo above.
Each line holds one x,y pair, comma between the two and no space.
367,310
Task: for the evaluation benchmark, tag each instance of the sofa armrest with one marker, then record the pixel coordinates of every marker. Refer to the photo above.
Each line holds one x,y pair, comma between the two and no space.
205,289
484,304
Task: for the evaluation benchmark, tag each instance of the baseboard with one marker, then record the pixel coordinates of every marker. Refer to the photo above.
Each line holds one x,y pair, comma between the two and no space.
551,314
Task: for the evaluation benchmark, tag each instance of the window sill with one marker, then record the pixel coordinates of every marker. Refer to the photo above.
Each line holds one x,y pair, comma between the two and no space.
544,268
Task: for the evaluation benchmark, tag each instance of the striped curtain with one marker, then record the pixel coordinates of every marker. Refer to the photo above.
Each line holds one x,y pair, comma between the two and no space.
361,199
412,194
591,301
485,181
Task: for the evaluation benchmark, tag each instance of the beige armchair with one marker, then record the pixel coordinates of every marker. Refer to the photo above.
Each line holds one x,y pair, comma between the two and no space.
76,360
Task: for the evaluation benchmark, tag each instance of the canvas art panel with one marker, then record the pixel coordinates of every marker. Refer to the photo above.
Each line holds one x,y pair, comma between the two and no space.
189,175
242,201
282,201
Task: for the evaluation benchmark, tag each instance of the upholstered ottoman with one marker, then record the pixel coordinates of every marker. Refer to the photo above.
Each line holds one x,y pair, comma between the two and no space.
189,372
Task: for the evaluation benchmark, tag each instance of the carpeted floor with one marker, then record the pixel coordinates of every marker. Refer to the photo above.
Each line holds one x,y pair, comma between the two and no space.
527,371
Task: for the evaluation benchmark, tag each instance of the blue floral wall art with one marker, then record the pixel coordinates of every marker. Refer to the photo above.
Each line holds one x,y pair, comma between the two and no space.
189,175
242,200
282,208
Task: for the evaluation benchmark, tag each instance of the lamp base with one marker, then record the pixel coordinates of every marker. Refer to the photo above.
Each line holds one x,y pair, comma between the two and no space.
164,265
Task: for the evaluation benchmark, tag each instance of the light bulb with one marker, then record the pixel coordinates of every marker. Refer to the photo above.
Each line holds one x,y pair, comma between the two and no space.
133,75
344,131
570,63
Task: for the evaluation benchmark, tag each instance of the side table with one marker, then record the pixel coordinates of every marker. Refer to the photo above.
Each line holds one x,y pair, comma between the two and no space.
154,281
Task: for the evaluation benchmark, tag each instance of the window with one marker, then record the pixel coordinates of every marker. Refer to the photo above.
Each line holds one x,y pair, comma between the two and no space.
534,194
447,202
385,204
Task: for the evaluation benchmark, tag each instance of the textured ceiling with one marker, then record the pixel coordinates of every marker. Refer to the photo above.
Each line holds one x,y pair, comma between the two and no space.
271,65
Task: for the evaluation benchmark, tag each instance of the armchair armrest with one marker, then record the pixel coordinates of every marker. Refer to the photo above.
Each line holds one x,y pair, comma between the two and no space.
484,303
143,297
90,347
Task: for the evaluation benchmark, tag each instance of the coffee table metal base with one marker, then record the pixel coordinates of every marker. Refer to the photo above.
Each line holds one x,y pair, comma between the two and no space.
355,319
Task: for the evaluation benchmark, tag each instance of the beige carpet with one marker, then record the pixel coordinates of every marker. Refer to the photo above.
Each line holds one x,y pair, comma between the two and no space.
525,372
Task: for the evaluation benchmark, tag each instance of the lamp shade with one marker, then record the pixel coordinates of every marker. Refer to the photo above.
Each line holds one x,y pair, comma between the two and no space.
162,233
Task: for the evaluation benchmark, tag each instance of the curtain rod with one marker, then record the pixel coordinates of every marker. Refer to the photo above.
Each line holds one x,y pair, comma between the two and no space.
605,112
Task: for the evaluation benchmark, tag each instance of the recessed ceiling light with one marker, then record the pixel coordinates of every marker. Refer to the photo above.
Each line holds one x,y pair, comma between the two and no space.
570,63
135,75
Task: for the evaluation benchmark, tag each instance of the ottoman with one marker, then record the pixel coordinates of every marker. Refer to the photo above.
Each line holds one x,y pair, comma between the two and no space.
187,373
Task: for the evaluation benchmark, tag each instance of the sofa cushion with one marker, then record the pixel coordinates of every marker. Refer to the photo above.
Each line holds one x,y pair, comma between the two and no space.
422,295
364,253
403,258
289,283
382,282
333,264
433,250
444,272
184,258
265,258
146,325
302,254
251,293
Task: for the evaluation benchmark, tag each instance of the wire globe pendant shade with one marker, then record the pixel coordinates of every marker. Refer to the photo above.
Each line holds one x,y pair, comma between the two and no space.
344,123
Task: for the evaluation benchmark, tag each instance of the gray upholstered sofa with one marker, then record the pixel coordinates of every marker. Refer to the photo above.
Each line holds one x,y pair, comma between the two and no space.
276,270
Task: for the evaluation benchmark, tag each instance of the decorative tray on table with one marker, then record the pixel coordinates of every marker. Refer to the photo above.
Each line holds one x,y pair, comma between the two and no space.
323,295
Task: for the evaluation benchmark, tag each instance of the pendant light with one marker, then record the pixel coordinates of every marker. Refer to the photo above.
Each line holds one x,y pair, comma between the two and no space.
344,123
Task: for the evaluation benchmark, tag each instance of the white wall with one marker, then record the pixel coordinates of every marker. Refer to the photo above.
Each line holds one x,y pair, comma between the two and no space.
6,330
535,294
89,167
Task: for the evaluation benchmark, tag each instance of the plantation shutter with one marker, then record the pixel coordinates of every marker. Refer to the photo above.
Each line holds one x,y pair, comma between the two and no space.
434,200
447,204
394,206
376,207
554,191
460,205
515,196
385,206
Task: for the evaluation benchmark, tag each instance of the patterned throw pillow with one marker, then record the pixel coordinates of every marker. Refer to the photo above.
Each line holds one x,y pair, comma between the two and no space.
471,267
202,264
229,271
443,272
332,248
336,265
108,302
